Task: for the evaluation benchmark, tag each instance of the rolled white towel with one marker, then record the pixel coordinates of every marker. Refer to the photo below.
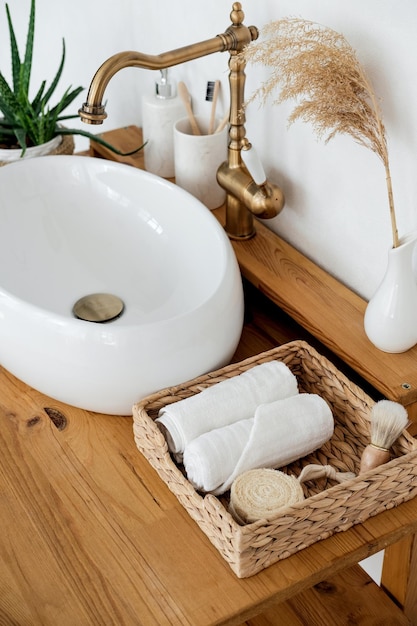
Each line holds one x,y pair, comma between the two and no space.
280,432
213,456
226,402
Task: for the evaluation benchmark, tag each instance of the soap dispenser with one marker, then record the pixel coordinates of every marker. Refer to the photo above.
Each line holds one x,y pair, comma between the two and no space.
160,111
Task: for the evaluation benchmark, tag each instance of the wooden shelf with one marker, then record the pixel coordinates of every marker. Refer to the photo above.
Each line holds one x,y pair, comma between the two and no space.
327,309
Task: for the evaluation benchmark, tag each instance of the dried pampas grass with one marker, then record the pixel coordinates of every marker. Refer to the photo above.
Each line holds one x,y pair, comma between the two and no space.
318,68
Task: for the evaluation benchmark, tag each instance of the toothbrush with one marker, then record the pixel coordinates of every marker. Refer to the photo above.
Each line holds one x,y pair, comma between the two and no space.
212,94
185,97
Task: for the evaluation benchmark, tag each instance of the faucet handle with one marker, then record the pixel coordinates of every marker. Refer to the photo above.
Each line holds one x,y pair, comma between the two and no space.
253,163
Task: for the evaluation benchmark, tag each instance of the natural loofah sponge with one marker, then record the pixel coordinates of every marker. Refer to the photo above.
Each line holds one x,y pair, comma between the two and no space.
262,493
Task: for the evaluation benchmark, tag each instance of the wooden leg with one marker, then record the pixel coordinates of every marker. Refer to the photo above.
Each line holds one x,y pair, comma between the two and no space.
399,575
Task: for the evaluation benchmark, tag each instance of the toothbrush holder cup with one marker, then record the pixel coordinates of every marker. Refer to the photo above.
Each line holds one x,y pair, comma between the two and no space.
197,158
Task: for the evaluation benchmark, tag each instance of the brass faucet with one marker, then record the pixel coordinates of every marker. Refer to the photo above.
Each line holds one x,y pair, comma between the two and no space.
245,197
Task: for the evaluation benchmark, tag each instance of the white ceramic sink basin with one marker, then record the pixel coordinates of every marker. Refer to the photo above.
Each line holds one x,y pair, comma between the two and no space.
71,226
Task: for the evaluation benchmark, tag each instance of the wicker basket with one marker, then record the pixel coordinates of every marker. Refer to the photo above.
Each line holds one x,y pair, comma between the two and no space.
328,507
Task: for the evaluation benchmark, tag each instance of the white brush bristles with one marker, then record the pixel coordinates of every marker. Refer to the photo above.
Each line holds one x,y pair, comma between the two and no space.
388,420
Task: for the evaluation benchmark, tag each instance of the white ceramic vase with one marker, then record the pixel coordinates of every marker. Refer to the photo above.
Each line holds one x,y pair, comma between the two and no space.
391,315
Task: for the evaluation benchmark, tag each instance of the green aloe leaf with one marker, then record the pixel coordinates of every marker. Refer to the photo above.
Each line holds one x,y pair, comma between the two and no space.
26,66
16,63
67,98
21,138
8,100
98,139
37,101
54,83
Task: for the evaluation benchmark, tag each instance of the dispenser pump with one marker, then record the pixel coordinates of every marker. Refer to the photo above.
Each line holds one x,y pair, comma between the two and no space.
164,89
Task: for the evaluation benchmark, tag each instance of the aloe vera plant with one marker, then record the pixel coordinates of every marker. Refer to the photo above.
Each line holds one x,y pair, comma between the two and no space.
28,122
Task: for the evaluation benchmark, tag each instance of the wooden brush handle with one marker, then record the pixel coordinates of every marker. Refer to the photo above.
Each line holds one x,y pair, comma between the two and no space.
185,97
223,123
373,457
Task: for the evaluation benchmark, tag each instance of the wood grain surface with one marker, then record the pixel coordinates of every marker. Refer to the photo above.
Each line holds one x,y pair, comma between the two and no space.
91,535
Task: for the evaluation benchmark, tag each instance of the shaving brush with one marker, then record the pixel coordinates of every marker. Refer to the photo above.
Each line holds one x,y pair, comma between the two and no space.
388,420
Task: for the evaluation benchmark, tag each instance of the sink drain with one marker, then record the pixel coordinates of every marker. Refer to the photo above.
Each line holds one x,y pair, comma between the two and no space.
98,307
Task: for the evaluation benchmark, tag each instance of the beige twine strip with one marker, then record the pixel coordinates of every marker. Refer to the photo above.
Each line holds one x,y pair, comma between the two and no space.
313,472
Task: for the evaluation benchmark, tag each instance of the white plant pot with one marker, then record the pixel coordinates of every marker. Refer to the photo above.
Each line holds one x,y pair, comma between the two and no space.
8,155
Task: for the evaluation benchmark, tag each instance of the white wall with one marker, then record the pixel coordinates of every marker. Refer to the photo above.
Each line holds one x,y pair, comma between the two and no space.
336,210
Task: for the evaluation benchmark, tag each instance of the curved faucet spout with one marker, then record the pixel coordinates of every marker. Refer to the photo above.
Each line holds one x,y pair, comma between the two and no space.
244,196
92,111
235,38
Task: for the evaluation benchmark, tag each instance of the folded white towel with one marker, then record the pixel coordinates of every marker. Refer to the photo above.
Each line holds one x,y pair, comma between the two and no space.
231,400
279,433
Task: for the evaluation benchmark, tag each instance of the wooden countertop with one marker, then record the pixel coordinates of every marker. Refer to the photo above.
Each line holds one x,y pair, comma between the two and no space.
91,535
